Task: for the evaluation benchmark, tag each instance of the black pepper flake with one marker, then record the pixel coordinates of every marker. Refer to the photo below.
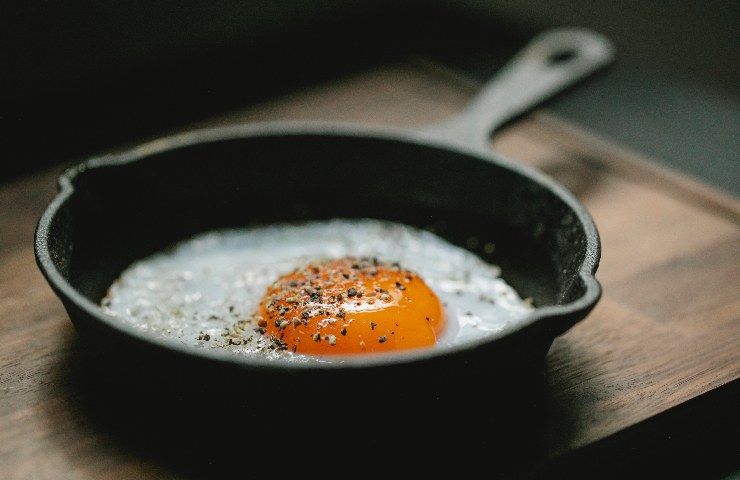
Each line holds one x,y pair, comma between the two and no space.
400,286
373,325
351,292
343,331
382,339
279,344
259,330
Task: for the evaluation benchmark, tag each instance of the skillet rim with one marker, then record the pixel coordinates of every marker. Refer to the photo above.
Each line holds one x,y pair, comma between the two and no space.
565,313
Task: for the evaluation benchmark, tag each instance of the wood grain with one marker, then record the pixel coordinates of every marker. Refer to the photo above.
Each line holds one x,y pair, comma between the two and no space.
666,331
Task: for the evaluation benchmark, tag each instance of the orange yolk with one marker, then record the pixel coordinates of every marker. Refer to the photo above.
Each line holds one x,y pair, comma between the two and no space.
351,305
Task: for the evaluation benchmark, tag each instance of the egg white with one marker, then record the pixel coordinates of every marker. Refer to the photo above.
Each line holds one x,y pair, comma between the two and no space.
198,289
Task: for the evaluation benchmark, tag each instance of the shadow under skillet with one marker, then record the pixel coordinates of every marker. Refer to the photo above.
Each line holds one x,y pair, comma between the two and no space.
284,424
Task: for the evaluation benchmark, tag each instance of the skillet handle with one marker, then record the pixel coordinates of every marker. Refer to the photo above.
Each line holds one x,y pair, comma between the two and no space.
551,62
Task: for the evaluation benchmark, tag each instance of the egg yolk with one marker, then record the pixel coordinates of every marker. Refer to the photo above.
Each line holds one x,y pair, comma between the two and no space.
348,306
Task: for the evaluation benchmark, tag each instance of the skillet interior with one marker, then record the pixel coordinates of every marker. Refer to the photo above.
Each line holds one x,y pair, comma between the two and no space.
128,207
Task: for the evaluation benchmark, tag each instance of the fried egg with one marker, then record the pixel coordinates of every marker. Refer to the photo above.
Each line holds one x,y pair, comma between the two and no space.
311,291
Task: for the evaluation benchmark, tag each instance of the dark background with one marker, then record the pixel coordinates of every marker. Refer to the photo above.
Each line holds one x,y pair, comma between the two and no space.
79,77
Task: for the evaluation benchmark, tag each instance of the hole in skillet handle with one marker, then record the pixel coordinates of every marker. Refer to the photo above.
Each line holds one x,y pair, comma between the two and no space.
561,56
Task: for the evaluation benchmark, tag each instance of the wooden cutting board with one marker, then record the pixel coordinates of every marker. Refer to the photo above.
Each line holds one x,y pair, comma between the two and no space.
666,331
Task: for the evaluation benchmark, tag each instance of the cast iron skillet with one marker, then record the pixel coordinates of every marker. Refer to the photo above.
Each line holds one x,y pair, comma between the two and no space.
115,209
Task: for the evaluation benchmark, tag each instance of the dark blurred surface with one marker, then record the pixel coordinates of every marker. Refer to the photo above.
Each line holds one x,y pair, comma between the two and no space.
686,38
80,77
673,90
87,76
